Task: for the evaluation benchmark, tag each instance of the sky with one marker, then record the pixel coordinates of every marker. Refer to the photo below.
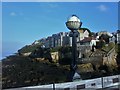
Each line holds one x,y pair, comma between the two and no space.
25,22
60,0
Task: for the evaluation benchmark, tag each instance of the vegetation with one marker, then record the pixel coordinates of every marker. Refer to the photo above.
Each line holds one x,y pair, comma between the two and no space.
19,71
41,53
109,47
65,53
105,37
29,48
100,44
55,49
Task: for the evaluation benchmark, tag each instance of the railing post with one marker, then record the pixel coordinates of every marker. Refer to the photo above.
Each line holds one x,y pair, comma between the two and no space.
53,86
119,81
102,82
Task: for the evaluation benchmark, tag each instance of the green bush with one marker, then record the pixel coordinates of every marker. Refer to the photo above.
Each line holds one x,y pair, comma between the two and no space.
28,48
65,61
65,55
55,49
100,44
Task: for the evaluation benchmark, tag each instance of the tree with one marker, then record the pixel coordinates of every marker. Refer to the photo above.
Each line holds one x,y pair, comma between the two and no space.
118,31
28,48
105,37
47,54
100,44
37,53
65,55
93,34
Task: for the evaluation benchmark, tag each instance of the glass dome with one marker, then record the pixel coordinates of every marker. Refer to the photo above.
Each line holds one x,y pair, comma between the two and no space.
74,18
73,23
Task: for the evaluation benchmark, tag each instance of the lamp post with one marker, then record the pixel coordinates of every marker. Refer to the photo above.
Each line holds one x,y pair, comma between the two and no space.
74,24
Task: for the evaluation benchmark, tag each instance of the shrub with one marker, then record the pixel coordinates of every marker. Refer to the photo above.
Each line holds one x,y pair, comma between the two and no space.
65,55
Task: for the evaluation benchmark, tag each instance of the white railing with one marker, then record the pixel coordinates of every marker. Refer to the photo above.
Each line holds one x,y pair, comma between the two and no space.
93,84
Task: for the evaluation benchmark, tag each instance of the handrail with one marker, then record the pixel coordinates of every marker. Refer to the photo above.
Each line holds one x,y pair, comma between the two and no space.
97,83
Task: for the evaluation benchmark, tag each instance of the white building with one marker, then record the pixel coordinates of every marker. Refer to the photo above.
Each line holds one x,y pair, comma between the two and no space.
59,39
83,34
63,39
118,36
112,39
35,42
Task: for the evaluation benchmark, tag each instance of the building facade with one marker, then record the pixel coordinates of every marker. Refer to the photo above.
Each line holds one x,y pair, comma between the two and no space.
118,37
56,40
83,34
62,39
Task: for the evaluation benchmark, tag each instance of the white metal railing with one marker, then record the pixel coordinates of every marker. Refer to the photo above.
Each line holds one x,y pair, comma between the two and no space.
98,83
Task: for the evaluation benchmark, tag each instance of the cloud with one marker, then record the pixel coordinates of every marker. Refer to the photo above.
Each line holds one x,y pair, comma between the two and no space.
13,14
16,14
102,8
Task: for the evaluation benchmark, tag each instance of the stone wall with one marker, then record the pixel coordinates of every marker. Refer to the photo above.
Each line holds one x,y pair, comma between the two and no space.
83,50
93,60
100,58
55,56
110,60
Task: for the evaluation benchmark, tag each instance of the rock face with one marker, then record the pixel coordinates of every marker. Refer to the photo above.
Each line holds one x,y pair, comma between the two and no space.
41,66
110,59
85,68
26,54
105,57
55,56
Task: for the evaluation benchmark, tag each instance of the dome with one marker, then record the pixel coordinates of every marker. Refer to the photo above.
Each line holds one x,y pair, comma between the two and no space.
74,18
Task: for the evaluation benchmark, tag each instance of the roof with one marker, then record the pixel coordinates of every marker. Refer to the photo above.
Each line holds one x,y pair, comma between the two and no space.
86,39
81,30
